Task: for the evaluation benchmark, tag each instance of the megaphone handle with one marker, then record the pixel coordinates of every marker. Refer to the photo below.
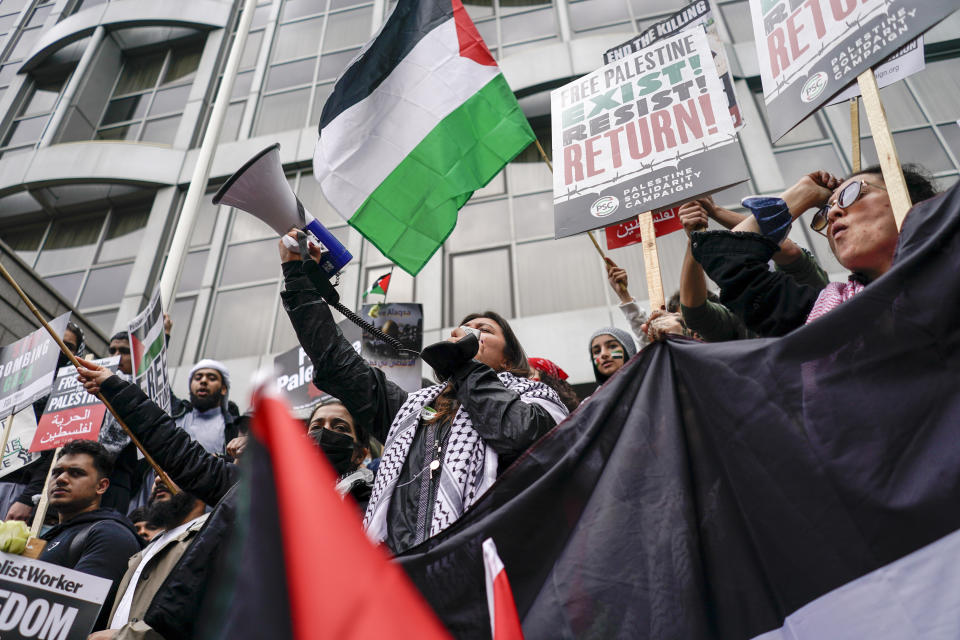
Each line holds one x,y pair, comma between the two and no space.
366,326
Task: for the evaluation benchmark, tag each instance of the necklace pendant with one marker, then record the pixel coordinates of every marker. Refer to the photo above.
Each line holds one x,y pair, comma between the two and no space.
434,465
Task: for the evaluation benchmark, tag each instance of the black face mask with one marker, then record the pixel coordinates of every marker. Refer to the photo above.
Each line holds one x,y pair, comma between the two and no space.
339,448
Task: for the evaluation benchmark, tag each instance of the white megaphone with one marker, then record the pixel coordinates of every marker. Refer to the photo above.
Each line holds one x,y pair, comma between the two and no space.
260,188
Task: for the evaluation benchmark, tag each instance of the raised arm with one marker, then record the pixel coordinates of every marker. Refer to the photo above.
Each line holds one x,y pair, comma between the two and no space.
370,398
770,303
507,420
617,277
186,462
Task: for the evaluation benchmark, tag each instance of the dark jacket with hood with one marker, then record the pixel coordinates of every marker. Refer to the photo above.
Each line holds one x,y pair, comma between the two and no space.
98,542
770,303
177,604
505,422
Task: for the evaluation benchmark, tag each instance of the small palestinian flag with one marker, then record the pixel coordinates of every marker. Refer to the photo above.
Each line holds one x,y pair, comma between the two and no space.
420,120
380,286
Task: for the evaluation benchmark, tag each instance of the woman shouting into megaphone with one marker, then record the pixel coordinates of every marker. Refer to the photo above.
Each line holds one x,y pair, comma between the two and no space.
444,444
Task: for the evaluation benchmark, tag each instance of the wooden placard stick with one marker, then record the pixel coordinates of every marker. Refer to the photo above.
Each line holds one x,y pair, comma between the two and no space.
651,261
41,513
596,245
73,359
855,132
886,150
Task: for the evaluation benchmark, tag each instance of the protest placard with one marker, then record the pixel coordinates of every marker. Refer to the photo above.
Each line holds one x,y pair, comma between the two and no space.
294,373
905,61
47,602
148,351
17,454
27,367
809,51
404,322
628,233
71,413
698,12
646,132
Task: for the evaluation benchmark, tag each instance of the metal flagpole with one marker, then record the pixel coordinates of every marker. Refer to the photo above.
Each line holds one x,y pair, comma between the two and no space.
170,277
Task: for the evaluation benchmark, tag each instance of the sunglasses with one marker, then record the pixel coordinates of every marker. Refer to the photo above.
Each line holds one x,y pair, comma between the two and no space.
125,351
847,196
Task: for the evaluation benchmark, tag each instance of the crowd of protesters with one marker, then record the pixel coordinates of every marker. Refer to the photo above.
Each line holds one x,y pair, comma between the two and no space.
413,462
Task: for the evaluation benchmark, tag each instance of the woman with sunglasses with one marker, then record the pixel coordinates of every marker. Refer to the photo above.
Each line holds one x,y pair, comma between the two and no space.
854,215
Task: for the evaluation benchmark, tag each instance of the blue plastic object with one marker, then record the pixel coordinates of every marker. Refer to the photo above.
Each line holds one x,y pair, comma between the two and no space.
336,256
772,215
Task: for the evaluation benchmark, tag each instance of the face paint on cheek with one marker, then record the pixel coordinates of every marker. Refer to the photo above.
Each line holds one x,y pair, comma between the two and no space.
616,354
596,359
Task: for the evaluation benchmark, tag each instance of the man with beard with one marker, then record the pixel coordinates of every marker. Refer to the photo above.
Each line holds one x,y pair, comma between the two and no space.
205,417
181,517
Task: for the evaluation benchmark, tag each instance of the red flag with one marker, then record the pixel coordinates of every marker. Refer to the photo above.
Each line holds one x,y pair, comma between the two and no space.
338,583
628,233
504,621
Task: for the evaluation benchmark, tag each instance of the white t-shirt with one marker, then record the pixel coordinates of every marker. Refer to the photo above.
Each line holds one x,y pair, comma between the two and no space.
122,614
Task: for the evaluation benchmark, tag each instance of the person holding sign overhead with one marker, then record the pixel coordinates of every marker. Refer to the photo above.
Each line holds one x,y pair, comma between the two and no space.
856,217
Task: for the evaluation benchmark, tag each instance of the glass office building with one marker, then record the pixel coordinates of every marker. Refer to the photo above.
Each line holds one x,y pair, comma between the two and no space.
103,106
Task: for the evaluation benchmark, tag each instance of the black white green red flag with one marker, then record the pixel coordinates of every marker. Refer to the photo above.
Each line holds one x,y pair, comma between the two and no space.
420,120
379,287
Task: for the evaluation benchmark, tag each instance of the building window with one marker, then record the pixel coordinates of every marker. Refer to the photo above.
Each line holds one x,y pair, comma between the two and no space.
150,94
9,12
28,126
243,82
312,45
88,257
30,30
508,25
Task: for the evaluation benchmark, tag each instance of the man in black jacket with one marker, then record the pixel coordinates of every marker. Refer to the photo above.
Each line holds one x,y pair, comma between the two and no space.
87,538
178,602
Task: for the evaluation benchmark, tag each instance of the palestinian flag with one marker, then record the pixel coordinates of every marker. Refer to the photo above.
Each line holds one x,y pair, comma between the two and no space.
378,287
420,120
300,566
800,488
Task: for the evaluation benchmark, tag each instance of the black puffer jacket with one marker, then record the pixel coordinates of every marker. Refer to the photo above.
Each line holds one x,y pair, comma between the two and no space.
505,422
177,604
770,303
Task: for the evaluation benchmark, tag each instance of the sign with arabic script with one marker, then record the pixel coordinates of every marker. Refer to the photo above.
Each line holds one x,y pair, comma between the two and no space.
628,233
71,412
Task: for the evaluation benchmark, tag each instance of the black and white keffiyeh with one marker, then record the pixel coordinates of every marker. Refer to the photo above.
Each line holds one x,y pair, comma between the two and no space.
469,465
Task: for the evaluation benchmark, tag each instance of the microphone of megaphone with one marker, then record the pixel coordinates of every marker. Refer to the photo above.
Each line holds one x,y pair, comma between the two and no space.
260,188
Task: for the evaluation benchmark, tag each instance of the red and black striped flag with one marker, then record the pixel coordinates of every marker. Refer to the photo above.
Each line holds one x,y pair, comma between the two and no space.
301,566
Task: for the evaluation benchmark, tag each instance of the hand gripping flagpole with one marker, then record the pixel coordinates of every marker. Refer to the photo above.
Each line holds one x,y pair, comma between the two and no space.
73,359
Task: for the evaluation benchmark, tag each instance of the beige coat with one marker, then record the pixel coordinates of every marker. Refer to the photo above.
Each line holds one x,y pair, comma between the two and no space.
152,576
